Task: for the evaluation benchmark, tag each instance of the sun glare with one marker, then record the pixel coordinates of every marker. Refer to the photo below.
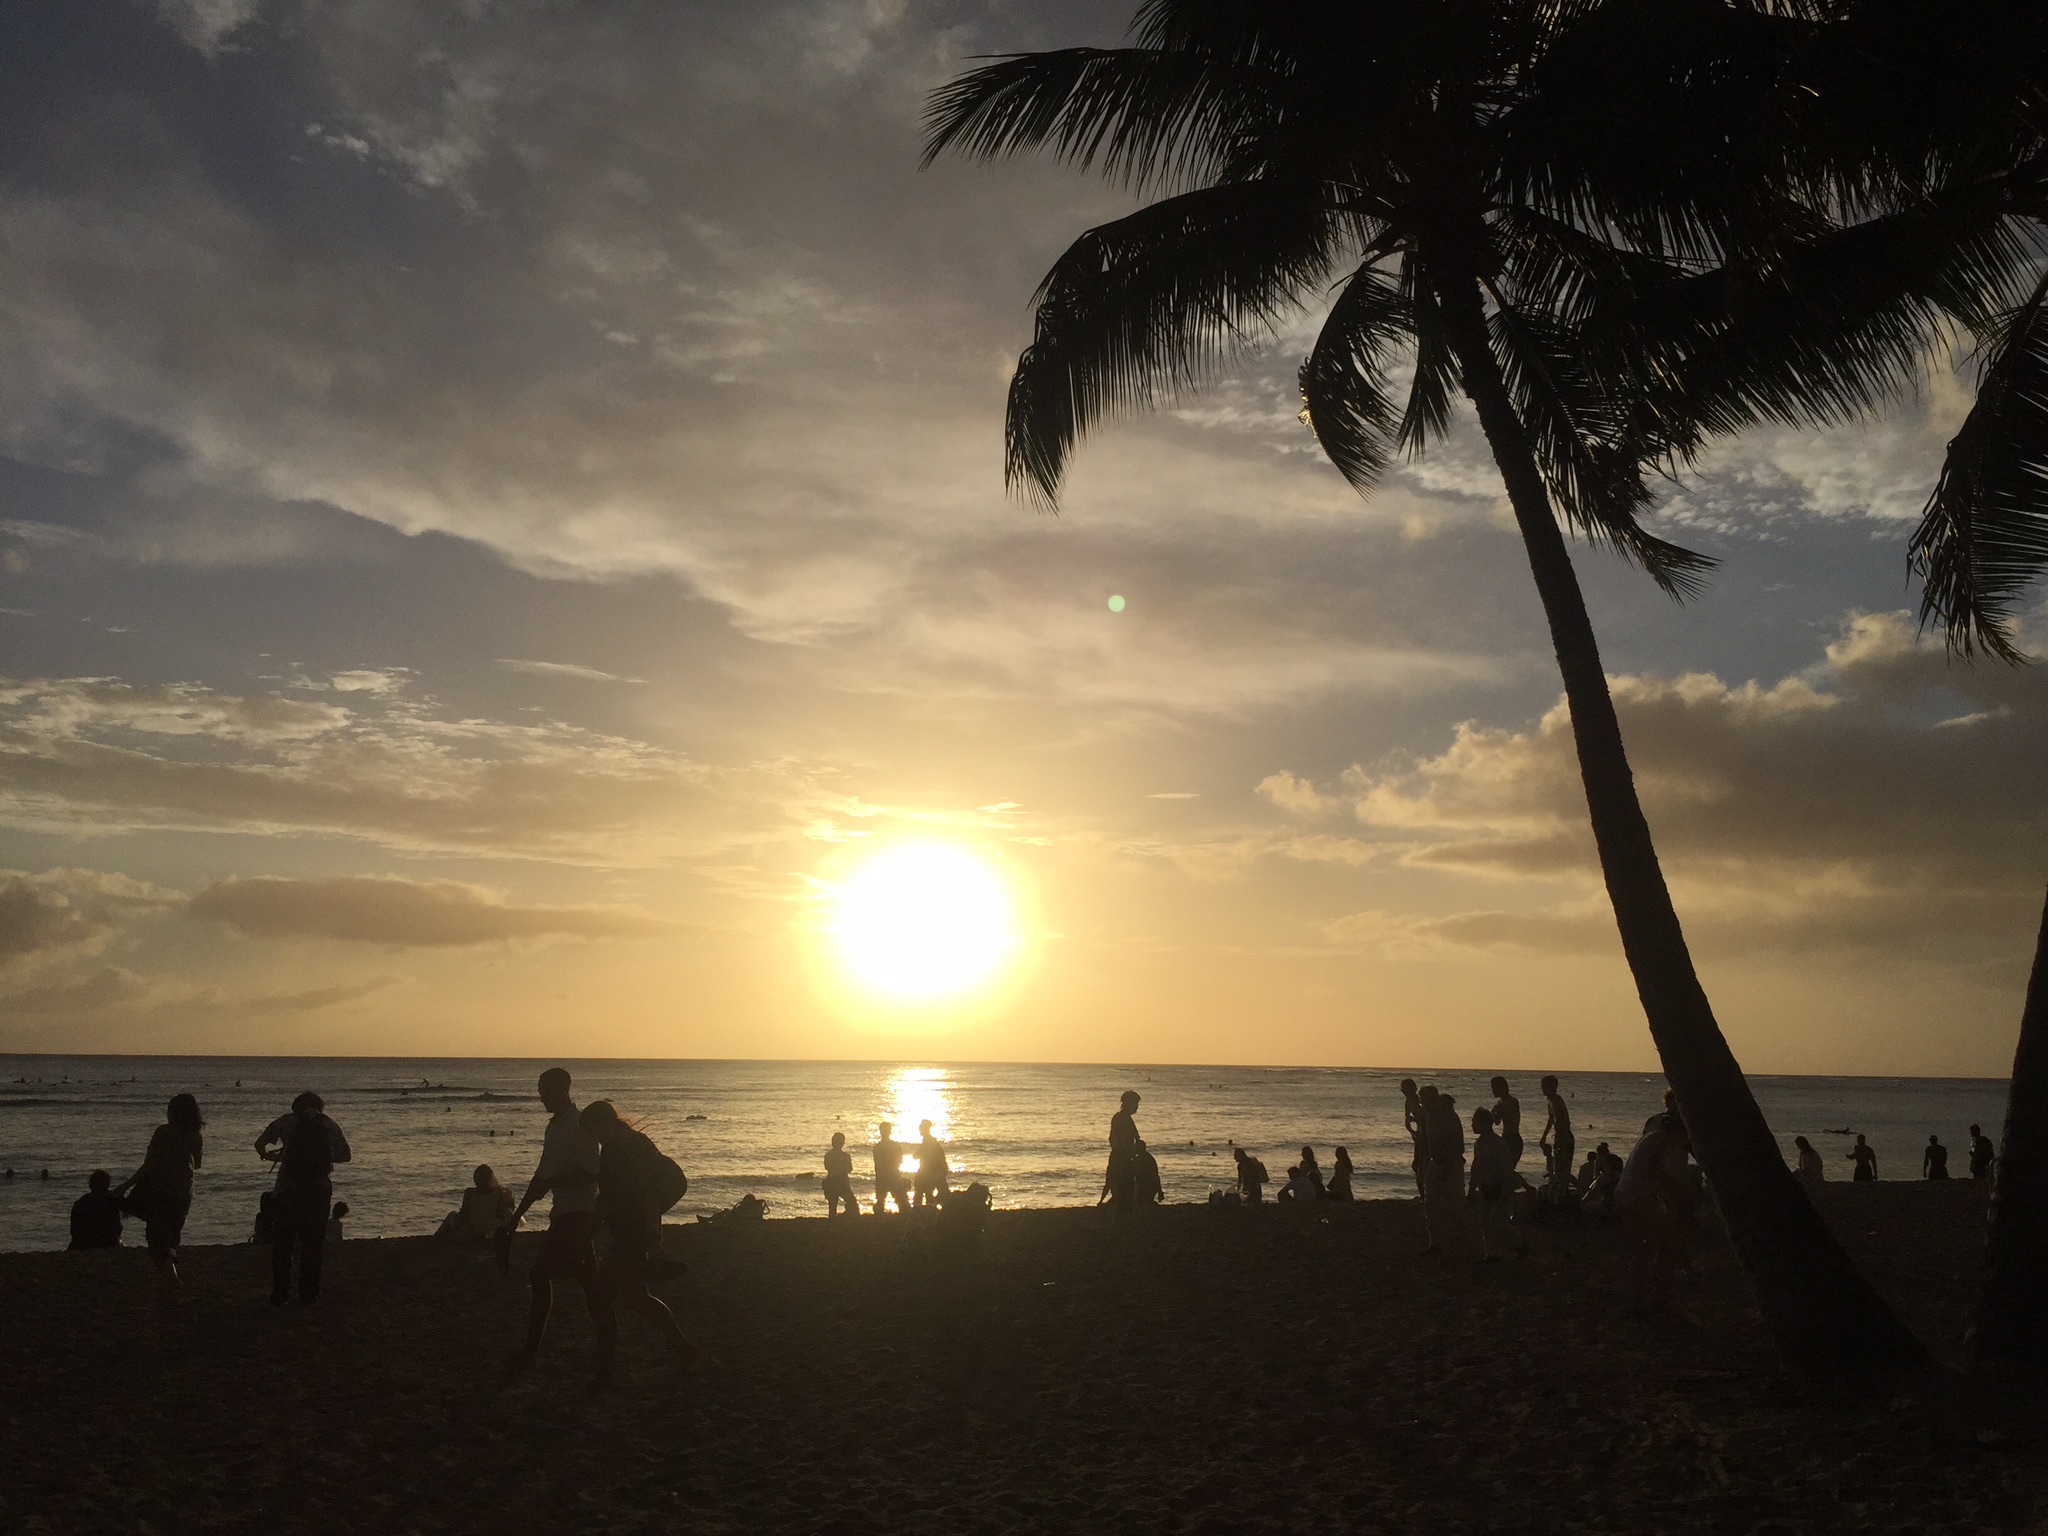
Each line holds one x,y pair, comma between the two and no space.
925,921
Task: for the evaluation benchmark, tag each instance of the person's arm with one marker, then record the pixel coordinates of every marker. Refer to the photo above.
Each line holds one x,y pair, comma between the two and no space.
270,1140
337,1144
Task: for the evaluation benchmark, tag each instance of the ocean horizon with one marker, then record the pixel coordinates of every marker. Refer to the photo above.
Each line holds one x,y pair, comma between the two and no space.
1035,1133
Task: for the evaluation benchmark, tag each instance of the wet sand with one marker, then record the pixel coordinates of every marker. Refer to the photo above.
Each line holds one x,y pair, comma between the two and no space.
1198,1371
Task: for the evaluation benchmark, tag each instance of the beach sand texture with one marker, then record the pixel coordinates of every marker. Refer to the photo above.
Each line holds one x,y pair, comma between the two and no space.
1197,1371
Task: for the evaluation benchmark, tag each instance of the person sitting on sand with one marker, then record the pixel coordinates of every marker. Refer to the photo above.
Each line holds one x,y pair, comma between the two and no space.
567,1172
1415,1122
1934,1161
1444,1189
839,1198
1557,1134
305,1144
334,1221
636,1182
1252,1177
1982,1153
1599,1179
486,1207
1487,1190
890,1183
1311,1170
1810,1172
96,1214
1653,1196
1120,1175
932,1185
163,1184
1864,1156
1299,1192
1340,1176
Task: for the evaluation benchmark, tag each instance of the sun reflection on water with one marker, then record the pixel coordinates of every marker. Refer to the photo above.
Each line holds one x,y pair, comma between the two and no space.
914,1094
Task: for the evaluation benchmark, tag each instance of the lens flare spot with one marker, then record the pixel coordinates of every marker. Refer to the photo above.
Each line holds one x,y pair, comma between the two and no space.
1116,604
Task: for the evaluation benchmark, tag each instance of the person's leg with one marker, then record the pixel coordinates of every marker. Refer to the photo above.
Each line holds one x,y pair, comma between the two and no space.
312,1219
542,1300
284,1232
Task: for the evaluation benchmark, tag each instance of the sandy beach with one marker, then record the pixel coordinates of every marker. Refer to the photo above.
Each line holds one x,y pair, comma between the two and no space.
1198,1371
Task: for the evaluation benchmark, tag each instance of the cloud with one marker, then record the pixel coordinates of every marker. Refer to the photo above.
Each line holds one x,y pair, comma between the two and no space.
564,669
33,923
110,987
1880,798
414,913
312,999
87,752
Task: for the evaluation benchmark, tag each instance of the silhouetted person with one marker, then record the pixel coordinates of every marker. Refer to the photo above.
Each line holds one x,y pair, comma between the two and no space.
1557,1134
1312,1170
839,1198
1340,1176
1298,1193
334,1233
1507,1124
1654,1198
305,1145
1864,1156
1488,1187
1443,1191
486,1207
1415,1122
1252,1177
1810,1171
1599,1179
635,1184
932,1185
1934,1161
162,1186
96,1214
1670,1109
890,1183
1982,1153
1120,1178
569,1158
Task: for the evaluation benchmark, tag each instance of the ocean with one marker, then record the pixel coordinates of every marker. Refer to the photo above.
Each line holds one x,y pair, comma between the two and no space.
1035,1134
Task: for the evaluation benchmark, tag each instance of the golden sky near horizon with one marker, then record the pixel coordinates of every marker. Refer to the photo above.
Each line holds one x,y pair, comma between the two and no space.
503,551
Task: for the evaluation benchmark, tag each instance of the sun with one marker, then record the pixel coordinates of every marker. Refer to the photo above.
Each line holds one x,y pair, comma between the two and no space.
924,921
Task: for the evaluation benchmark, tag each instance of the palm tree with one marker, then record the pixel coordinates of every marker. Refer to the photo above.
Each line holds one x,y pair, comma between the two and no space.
1396,150
2008,1322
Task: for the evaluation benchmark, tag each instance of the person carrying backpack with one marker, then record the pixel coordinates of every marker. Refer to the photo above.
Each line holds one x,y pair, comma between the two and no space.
636,1182
305,1145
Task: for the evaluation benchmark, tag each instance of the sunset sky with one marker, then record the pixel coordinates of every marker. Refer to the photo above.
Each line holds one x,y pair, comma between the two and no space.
501,516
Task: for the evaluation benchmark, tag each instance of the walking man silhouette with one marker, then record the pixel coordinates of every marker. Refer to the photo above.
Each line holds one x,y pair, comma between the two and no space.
305,1144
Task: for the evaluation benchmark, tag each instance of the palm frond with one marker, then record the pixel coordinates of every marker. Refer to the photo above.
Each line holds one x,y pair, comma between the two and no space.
1145,309
1145,116
1343,380
1434,388
1984,536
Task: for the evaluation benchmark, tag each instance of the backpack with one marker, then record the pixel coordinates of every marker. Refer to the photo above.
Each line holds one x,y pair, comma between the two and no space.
666,1182
307,1155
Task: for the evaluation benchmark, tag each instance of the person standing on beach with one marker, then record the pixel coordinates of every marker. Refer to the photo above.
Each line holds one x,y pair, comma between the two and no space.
1934,1161
1251,1177
1810,1171
1444,1182
889,1180
1654,1197
305,1145
839,1178
1120,1178
1488,1190
1982,1153
1312,1170
163,1184
1557,1135
932,1185
1864,1156
636,1182
1416,1123
569,1161
96,1214
1507,1124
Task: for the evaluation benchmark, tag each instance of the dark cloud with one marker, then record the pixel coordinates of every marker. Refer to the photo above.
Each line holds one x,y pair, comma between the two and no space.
107,988
413,913
34,922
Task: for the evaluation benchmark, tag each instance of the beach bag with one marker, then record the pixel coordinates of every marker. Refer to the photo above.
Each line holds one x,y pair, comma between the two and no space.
666,1182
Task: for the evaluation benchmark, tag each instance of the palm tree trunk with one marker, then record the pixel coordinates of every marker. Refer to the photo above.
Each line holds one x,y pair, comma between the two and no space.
1823,1314
2009,1322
